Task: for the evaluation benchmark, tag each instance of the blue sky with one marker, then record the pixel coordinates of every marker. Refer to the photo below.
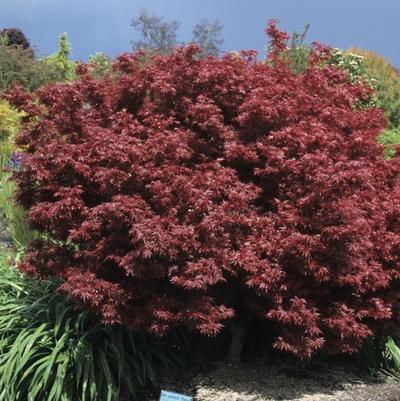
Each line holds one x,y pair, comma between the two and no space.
104,25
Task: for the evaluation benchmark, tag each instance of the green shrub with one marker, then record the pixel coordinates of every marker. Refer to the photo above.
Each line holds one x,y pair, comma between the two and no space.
51,351
380,356
5,152
18,65
393,354
60,61
386,83
390,138
100,65
362,66
9,121
16,216
299,52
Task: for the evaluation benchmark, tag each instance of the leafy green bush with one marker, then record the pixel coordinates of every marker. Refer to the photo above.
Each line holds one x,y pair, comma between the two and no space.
60,61
357,73
15,215
18,65
390,138
386,83
5,152
353,63
100,65
51,351
380,356
393,354
9,121
298,53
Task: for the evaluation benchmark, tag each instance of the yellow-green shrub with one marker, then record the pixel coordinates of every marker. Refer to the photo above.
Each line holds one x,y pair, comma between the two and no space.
60,60
15,215
386,82
10,120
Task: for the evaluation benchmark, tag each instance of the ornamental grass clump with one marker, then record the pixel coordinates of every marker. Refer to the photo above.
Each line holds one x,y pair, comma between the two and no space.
203,192
50,350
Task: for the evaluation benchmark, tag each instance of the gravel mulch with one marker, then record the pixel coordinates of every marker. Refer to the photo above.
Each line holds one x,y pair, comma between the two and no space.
260,382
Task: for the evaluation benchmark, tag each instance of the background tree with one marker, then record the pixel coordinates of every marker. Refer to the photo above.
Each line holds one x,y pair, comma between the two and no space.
160,37
157,35
16,38
208,36
18,65
60,60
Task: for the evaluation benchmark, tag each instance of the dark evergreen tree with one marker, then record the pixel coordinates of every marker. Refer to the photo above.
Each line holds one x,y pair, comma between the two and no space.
14,37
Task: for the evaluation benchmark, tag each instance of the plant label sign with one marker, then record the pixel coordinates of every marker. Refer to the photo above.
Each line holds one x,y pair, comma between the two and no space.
168,396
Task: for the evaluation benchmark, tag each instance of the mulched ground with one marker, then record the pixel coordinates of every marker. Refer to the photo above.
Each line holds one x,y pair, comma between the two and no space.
283,382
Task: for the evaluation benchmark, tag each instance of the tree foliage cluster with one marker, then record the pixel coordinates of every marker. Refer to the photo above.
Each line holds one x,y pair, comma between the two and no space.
193,191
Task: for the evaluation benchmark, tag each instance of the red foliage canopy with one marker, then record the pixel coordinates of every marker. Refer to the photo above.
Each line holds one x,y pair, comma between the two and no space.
187,190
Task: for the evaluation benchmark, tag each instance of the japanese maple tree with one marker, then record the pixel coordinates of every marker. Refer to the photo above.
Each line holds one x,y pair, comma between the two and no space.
203,191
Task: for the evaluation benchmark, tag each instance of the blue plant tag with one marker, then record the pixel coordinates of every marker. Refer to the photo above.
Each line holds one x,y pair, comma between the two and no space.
168,396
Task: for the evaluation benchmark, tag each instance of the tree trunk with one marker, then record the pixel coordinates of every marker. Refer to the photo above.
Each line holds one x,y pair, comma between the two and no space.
237,329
